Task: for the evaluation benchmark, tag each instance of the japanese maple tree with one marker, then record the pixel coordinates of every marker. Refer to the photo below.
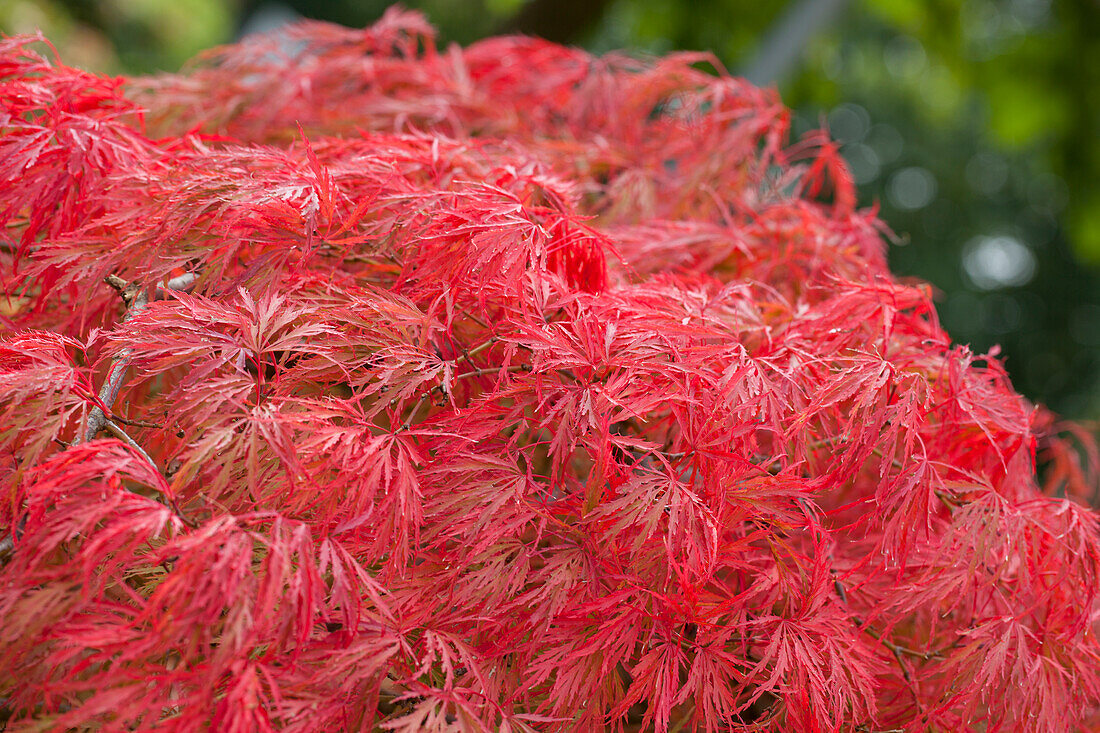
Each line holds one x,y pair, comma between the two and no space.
347,383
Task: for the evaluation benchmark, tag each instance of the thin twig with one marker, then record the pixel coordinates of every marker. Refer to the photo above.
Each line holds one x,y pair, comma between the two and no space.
122,435
895,648
416,408
479,348
494,370
114,429
478,321
135,423
947,500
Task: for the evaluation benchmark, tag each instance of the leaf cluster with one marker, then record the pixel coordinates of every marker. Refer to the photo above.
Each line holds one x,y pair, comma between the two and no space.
349,382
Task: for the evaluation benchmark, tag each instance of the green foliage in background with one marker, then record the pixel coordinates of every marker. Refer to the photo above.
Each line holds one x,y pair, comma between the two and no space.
113,36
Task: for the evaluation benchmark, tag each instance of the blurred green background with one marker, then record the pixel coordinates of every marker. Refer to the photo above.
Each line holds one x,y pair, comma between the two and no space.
973,124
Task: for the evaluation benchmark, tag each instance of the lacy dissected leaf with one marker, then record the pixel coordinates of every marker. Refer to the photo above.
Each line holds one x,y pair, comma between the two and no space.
505,388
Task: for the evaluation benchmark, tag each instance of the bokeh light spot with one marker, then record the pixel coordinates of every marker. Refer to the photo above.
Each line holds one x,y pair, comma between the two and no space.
998,262
911,188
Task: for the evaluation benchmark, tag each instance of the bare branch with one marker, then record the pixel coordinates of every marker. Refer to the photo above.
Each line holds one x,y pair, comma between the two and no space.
181,282
136,299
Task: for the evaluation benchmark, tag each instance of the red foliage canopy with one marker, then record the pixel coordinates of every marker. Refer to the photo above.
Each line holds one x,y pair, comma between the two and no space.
348,382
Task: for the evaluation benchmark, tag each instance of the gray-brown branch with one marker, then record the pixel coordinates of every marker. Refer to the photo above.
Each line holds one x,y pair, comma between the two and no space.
136,299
